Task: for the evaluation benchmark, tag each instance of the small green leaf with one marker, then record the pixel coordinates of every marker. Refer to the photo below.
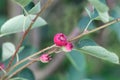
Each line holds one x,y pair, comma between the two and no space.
98,51
103,13
99,5
35,9
18,78
8,50
20,23
104,16
22,2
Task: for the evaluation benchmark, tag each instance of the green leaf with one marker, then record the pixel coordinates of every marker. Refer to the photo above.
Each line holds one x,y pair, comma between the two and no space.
8,50
27,74
103,13
20,23
99,5
73,74
86,42
77,60
104,17
98,51
101,52
18,78
22,2
99,18
77,70
35,9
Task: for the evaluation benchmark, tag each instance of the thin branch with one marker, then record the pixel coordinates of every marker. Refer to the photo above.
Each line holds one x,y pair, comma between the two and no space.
3,70
26,32
94,30
35,54
20,69
26,65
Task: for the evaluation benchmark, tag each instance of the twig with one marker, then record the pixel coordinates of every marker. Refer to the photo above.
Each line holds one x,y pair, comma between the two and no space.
35,54
20,69
26,32
94,30
3,70
17,71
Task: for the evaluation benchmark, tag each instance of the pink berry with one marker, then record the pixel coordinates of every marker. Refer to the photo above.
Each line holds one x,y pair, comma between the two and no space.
2,66
45,58
68,47
60,39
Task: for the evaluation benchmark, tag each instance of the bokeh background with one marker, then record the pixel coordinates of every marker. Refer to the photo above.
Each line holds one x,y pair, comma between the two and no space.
69,17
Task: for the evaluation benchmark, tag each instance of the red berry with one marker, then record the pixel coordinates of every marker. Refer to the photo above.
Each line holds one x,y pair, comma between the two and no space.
60,39
68,47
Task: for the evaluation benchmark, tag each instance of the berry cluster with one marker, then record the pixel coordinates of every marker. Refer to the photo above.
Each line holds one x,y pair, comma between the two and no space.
60,40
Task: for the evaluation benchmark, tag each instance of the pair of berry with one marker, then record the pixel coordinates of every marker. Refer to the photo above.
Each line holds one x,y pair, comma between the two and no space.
60,40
